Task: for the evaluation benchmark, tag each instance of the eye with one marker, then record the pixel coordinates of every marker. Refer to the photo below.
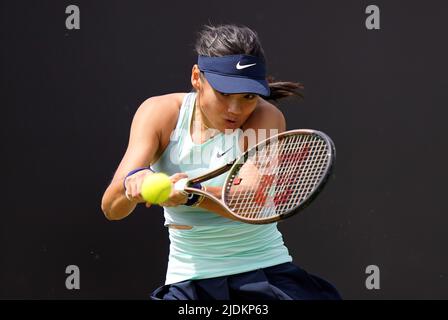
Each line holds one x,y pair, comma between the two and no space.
250,96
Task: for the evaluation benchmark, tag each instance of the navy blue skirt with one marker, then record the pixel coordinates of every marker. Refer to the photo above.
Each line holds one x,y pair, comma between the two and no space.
285,281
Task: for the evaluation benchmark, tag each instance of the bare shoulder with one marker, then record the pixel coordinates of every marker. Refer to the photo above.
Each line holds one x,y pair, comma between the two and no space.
266,116
266,120
160,111
168,103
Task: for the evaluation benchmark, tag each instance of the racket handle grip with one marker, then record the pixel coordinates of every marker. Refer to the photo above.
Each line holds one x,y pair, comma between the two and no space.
180,185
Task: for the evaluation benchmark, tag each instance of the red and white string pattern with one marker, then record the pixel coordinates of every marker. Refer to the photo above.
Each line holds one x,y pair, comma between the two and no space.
278,177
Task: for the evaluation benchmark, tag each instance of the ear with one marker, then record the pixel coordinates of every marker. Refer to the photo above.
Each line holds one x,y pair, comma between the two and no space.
196,77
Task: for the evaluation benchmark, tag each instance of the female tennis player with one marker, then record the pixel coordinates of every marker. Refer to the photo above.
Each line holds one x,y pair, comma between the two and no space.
187,134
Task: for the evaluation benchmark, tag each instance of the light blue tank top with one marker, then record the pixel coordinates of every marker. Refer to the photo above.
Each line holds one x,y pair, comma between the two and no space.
215,246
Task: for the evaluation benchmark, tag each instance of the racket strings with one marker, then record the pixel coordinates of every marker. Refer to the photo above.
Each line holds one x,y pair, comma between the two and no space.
289,186
278,177
268,170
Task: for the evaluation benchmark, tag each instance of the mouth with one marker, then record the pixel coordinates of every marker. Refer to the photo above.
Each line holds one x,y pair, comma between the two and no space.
231,123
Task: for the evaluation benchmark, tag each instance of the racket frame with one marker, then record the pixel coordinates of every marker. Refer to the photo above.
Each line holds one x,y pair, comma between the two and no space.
184,184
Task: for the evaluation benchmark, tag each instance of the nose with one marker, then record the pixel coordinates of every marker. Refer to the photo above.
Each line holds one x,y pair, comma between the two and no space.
234,108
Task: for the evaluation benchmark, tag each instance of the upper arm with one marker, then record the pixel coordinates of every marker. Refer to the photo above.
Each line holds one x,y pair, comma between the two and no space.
150,120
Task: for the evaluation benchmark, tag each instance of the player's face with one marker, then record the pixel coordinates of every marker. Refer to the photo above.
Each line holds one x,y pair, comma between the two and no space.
222,111
225,111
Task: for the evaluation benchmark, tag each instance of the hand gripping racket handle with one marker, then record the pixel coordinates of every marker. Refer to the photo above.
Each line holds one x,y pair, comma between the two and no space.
185,186
180,185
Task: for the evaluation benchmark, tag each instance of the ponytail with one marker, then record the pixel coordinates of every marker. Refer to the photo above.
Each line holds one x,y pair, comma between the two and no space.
283,89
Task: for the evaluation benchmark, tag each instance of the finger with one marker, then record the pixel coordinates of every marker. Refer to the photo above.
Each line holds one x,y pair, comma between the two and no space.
177,176
136,194
180,174
179,197
148,204
173,202
167,204
131,190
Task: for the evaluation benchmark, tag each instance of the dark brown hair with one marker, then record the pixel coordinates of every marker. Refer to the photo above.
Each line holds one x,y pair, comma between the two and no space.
222,40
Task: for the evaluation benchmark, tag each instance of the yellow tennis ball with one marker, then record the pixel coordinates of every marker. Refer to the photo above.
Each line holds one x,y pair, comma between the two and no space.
156,188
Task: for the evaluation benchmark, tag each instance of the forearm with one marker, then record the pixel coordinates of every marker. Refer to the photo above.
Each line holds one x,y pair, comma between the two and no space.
215,191
210,205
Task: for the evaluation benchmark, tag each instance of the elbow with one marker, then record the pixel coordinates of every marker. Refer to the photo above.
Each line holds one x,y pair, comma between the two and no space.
106,207
111,212
107,214
115,206
106,211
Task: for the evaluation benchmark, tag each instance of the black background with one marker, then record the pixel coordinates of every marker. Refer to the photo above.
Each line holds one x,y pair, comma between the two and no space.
68,98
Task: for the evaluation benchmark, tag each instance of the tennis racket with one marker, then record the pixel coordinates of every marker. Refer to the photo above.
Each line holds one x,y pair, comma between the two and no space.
274,179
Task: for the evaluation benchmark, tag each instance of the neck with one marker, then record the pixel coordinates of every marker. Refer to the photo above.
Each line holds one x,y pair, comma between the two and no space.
205,127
